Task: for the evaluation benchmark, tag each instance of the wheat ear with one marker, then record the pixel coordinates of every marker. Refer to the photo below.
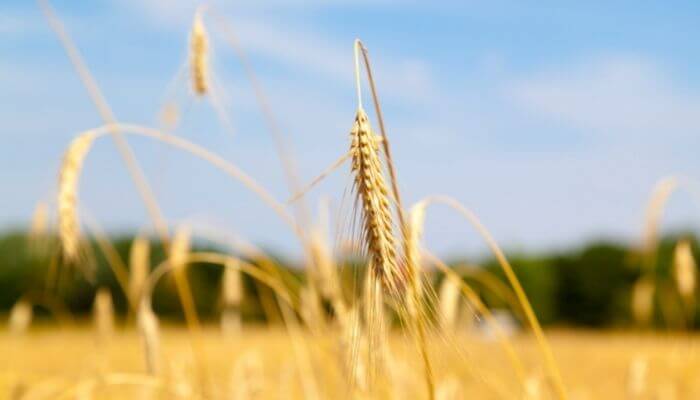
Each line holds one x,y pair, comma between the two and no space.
199,56
20,317
373,198
685,270
396,278
68,225
139,267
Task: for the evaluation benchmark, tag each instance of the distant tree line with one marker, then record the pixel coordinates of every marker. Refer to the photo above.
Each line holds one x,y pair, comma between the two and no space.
588,286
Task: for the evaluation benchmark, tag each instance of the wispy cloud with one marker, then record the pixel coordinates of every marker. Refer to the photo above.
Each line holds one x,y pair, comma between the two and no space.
621,97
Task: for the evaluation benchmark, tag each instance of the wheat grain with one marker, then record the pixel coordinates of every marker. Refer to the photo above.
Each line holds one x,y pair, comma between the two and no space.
199,56
68,223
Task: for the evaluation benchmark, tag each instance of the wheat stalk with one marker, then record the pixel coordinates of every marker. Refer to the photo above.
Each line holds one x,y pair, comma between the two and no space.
643,300
449,302
179,249
232,295
199,56
660,195
311,309
103,314
148,327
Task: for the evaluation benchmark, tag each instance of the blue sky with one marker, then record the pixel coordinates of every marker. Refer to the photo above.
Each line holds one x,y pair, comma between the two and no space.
551,122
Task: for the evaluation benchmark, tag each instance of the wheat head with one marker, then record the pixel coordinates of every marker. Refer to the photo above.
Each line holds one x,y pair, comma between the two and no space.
199,56
373,198
68,224
20,317
139,266
685,269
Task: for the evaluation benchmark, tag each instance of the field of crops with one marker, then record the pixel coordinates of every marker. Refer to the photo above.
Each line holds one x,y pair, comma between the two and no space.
366,310
258,364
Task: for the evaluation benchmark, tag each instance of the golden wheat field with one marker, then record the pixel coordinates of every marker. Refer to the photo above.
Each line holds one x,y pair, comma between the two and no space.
258,363
366,310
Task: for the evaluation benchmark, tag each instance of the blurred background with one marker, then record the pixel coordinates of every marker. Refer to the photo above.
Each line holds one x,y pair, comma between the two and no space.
552,124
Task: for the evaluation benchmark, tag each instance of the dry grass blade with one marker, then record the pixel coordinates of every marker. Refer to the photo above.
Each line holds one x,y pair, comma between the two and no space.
475,301
340,161
543,344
